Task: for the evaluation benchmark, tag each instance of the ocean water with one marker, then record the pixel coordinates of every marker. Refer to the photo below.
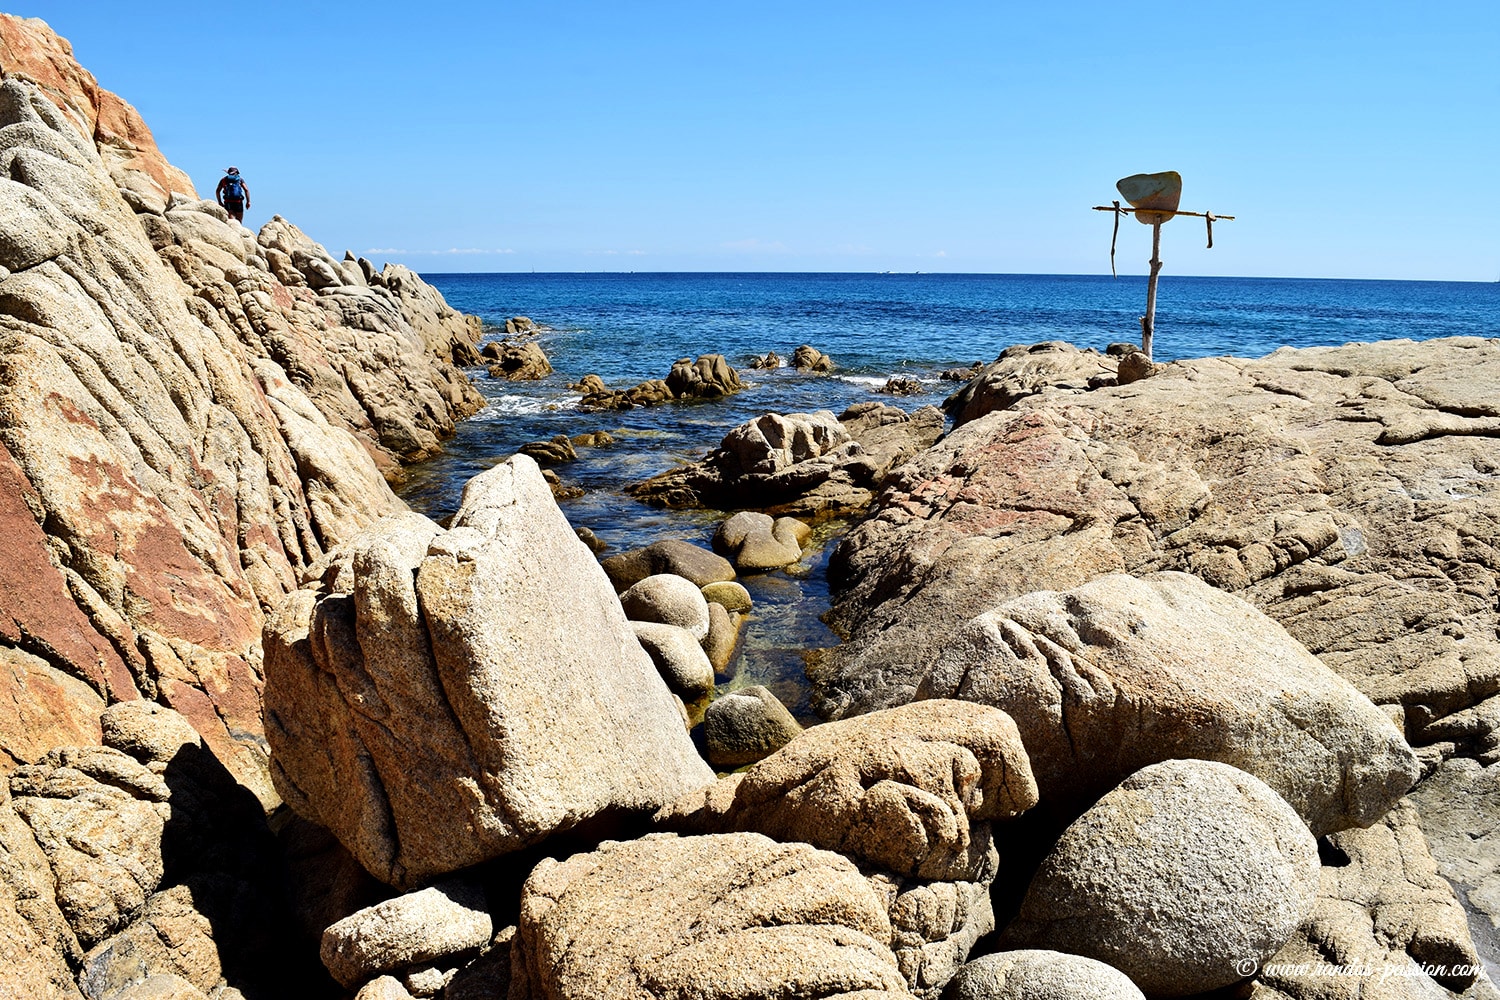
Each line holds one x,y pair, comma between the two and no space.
627,328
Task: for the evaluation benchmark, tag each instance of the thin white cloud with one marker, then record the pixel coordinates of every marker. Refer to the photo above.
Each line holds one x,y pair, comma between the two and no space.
437,253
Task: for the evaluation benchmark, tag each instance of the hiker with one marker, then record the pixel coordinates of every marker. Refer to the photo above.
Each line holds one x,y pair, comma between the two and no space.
234,194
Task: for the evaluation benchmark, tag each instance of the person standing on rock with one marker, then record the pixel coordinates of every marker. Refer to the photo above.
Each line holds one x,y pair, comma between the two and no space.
233,194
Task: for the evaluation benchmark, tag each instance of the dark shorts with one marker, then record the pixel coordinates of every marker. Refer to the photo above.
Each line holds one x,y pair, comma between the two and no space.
236,207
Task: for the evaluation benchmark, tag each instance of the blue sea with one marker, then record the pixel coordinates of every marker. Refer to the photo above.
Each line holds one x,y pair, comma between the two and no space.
628,328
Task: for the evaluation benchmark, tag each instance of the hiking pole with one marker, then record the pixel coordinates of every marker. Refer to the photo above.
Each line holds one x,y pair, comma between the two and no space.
1153,199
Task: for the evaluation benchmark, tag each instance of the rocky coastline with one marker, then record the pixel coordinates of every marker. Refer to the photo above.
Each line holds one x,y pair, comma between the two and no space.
1155,680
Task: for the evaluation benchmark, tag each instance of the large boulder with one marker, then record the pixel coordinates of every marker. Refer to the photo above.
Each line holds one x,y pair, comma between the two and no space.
757,541
494,661
707,378
718,917
747,726
911,790
517,362
1345,492
1114,675
1183,877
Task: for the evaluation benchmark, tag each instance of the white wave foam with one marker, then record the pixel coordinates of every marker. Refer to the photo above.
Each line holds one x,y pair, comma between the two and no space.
516,405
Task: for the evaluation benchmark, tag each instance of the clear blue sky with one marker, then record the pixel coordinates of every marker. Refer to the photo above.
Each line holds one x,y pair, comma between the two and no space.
1351,140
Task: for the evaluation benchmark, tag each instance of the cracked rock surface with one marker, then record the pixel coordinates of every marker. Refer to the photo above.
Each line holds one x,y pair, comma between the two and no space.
1352,494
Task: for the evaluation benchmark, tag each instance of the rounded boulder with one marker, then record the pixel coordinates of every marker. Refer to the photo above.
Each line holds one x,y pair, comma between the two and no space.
1185,874
1040,975
668,599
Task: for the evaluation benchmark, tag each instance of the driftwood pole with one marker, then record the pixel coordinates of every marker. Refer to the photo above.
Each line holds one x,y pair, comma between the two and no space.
1148,321
1153,199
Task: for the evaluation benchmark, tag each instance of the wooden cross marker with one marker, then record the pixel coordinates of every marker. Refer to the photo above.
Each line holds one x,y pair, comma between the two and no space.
1153,200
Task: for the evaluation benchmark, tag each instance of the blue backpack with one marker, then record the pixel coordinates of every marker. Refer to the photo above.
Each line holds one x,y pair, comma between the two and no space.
235,189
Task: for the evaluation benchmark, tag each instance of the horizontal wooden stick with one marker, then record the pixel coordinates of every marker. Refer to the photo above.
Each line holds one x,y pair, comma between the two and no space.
1197,215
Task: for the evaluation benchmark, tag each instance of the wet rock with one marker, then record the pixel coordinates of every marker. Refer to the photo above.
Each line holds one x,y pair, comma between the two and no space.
1040,975
670,555
901,385
911,790
521,325
441,921
1114,675
734,915
561,490
961,374
593,439
1177,876
758,542
678,657
733,596
767,362
557,451
809,359
669,600
412,631
723,636
518,362
597,545
707,378
747,726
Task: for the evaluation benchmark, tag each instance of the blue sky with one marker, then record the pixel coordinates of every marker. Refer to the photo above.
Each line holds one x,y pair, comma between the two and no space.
1351,140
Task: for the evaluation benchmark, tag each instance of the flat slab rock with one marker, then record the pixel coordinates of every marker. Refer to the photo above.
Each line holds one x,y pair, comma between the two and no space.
1352,494
711,918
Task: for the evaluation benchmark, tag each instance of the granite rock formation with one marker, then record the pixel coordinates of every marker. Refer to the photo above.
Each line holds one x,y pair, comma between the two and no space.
1186,870
1348,493
493,659
1119,673
799,464
717,917
190,416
